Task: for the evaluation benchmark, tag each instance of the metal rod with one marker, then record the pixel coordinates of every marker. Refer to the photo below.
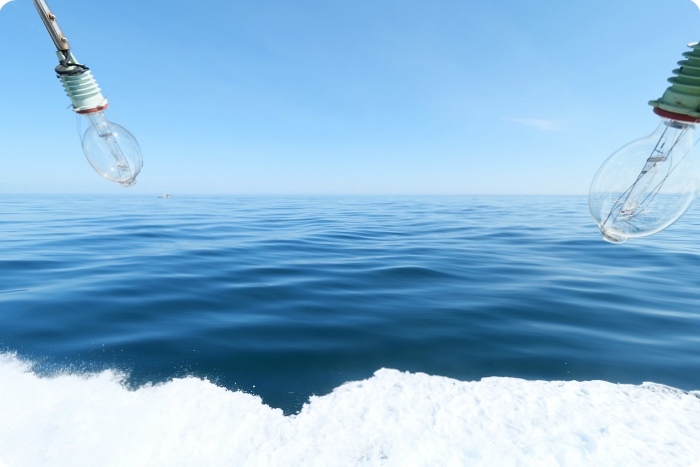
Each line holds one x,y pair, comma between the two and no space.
52,27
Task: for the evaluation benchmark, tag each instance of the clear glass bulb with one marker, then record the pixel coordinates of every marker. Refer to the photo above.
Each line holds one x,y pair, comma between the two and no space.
646,185
111,150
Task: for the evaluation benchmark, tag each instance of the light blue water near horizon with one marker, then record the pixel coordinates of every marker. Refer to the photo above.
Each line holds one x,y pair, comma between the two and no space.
285,297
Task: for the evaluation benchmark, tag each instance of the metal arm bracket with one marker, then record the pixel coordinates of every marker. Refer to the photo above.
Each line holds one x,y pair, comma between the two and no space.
49,20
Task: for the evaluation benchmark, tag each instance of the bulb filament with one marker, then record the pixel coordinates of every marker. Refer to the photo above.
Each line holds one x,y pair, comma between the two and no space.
103,129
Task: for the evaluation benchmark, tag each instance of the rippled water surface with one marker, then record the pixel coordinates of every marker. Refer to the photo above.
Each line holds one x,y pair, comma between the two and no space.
287,297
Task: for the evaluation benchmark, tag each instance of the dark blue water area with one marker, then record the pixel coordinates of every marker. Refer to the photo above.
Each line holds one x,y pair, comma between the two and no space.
285,297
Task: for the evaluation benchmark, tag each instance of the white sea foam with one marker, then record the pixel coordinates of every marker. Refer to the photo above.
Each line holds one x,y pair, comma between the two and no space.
392,418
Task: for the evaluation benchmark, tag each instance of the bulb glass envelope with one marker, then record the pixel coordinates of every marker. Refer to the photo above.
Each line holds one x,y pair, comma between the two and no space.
111,150
646,185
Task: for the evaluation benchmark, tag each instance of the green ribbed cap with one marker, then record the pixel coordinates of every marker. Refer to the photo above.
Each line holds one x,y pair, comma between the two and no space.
683,96
82,89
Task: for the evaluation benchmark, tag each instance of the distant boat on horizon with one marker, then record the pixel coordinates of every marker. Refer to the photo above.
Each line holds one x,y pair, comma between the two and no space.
165,196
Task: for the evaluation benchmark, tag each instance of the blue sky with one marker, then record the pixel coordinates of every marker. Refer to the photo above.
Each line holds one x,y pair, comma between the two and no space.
342,97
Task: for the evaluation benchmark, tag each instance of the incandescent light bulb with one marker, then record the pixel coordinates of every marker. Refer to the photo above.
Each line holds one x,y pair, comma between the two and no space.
648,184
111,150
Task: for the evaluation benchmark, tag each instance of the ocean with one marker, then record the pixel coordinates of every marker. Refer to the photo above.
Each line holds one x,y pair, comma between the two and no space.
359,330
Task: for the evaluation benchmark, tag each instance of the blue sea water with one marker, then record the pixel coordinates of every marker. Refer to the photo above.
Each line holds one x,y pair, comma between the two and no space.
285,297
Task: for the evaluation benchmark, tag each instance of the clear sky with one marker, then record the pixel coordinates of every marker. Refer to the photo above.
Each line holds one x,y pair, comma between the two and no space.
341,96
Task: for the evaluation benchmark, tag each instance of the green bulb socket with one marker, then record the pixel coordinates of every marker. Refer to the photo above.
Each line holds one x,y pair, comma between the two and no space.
683,96
83,90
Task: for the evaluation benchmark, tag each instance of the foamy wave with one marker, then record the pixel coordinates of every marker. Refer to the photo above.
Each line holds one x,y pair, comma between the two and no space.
392,418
